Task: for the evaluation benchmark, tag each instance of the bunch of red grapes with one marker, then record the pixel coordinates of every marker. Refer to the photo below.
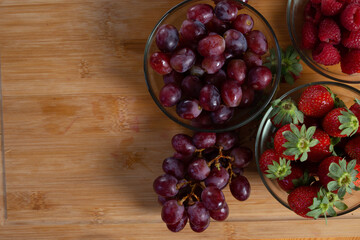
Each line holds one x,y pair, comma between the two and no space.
203,165
212,66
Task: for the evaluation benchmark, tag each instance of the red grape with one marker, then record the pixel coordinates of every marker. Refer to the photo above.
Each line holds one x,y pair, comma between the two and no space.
226,11
231,93
191,86
236,70
192,31
220,214
199,229
240,188
163,200
218,26
252,60
197,71
243,23
259,77
170,95
212,198
257,42
242,156
198,214
167,38
204,140
200,12
222,115
165,185
173,167
213,64
235,41
209,98
203,120
160,63
238,171
212,45
182,60
177,227
248,96
183,144
216,79
218,177
173,77
227,140
172,212
188,109
198,169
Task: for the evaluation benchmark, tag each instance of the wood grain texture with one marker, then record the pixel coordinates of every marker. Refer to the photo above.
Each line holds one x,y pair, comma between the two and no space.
83,140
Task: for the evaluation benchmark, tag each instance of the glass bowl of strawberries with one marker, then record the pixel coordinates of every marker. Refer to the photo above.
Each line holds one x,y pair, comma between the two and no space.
326,33
308,149
204,64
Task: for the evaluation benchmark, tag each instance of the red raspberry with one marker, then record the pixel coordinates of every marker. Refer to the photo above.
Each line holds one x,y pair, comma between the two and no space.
350,62
326,54
331,7
312,13
351,39
329,31
309,35
350,17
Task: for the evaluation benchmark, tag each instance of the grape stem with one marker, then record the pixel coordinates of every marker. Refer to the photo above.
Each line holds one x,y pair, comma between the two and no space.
181,184
199,152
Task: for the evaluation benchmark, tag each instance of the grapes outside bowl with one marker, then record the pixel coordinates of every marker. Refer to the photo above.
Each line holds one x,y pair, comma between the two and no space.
295,21
264,142
207,75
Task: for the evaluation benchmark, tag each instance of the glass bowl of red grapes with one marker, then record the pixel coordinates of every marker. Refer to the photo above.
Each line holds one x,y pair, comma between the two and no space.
307,149
204,64
326,35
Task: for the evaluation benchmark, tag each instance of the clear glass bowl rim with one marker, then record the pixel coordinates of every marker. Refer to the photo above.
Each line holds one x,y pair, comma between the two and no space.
262,124
303,56
218,130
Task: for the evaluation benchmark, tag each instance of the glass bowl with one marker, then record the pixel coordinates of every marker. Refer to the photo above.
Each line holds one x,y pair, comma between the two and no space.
266,130
154,81
295,20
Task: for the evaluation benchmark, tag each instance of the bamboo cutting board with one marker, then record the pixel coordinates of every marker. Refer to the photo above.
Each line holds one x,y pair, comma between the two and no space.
83,140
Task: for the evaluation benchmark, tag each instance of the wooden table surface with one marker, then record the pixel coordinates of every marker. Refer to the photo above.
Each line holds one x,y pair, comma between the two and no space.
83,140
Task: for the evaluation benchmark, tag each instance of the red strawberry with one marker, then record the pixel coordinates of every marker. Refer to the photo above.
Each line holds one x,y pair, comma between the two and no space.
329,31
312,12
352,148
323,169
350,17
309,35
294,142
285,112
326,54
355,108
357,181
301,199
331,7
288,183
350,61
267,158
340,122
310,121
322,149
316,101
351,39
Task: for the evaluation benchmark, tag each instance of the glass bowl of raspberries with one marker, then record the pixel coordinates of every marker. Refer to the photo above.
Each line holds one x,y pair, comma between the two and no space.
308,149
204,64
326,33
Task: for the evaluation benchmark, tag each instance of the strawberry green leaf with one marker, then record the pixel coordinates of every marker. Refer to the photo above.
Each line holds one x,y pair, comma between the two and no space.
331,211
279,170
332,186
315,213
342,192
357,101
349,123
340,205
351,165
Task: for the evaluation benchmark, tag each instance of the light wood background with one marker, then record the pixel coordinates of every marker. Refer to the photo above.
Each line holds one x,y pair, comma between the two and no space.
83,140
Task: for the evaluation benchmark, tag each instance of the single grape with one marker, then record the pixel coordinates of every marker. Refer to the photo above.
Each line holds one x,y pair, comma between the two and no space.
200,12
248,96
212,198
242,156
235,41
182,60
174,167
203,120
209,98
177,227
227,140
228,55
213,64
222,115
198,214
199,229
259,77
192,31
236,70
188,109
226,11
162,200
165,185
218,26
216,79
252,60
240,188
198,169
231,93
243,23
170,95
172,212
173,77
218,177
238,171
183,144
212,45
257,42
220,214
160,63
167,38
204,140
191,86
